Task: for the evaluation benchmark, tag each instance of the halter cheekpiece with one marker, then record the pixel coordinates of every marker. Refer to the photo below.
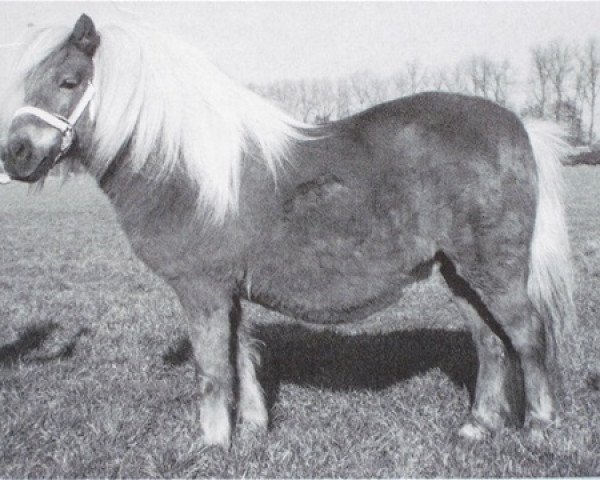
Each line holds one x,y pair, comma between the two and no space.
64,125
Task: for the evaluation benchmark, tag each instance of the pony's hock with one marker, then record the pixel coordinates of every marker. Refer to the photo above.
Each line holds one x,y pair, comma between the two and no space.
227,198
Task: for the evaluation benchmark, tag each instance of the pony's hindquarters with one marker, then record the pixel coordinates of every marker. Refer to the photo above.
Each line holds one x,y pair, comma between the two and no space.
519,301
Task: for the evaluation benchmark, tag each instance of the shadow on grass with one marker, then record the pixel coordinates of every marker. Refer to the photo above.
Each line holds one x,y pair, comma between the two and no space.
594,381
296,354
32,339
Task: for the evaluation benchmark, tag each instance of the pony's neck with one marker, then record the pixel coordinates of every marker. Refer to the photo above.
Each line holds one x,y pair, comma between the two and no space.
110,177
141,202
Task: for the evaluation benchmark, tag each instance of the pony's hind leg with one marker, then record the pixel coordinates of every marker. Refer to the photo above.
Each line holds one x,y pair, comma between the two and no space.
499,396
252,408
209,312
526,331
503,293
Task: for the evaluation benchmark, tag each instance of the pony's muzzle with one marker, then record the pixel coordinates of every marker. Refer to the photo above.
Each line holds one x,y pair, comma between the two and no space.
29,152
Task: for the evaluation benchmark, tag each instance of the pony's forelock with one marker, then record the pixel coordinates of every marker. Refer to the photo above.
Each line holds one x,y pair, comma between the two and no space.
36,45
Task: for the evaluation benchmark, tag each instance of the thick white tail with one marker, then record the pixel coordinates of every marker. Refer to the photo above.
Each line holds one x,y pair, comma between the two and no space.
550,283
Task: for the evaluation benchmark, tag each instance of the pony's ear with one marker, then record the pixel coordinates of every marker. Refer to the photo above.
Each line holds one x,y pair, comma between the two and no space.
84,35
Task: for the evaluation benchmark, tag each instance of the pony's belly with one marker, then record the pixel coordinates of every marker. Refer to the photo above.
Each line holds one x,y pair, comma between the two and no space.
340,251
339,301
334,285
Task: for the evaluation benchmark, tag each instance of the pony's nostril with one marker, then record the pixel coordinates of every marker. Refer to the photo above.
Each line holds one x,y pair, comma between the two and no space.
19,149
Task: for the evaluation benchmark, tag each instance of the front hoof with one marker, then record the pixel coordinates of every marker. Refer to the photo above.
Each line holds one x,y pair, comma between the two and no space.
216,426
256,419
539,431
216,439
474,431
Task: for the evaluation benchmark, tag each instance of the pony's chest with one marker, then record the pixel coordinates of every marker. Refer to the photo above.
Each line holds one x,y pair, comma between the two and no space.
181,248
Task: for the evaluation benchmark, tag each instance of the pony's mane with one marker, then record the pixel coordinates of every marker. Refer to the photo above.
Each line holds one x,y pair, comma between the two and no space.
165,103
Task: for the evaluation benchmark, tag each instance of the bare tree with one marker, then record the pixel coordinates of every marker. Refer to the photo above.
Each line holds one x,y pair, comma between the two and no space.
457,79
577,101
323,97
359,87
309,99
343,98
286,93
501,82
399,84
557,86
438,79
417,76
560,66
379,87
486,78
479,75
589,61
540,82
367,89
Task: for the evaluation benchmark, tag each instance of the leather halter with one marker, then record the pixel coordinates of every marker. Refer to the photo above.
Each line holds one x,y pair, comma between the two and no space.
64,125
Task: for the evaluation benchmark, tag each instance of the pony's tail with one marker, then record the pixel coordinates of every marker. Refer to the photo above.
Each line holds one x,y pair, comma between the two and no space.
550,283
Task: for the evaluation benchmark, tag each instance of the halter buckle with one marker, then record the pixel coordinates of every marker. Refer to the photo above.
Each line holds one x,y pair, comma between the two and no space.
68,135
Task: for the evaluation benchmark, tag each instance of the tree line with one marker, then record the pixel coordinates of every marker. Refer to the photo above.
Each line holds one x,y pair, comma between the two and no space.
562,84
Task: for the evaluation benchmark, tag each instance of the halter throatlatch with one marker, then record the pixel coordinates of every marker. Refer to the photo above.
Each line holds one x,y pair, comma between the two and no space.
64,125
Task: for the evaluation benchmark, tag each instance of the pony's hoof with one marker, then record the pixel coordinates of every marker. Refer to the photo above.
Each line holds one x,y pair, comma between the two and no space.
216,430
537,436
211,440
539,431
474,431
255,419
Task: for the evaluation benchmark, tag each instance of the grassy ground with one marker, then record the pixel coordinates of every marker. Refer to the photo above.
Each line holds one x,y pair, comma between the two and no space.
95,379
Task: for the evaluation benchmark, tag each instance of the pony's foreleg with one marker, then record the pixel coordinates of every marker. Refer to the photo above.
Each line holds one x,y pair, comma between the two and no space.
252,409
210,327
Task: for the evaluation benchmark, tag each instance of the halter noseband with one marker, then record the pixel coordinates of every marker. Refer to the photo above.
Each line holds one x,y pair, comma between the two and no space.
64,125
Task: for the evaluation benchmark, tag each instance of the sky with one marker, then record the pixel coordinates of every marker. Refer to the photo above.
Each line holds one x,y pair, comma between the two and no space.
261,42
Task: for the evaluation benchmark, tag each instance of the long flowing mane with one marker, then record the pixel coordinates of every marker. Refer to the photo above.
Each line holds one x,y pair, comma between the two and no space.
167,104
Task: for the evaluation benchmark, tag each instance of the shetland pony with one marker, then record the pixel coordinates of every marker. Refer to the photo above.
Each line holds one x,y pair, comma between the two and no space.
227,198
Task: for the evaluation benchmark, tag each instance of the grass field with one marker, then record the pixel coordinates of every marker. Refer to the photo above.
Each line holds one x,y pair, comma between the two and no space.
95,379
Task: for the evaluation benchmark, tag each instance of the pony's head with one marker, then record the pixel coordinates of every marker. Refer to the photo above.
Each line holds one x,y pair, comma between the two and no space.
160,108
57,92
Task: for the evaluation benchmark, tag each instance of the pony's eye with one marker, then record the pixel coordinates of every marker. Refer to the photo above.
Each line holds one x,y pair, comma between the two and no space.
69,82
